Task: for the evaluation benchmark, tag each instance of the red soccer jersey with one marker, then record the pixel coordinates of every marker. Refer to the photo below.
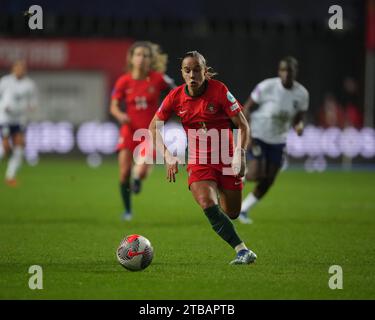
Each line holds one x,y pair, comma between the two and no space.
211,110
141,97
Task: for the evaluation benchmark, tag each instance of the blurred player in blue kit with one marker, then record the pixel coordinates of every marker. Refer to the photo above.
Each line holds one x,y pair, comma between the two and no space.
274,106
18,96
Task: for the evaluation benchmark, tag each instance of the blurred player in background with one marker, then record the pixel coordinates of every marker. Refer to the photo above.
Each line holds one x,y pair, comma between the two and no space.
274,106
139,88
205,105
18,96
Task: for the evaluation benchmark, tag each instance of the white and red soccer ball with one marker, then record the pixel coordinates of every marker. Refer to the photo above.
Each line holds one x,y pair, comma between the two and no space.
135,252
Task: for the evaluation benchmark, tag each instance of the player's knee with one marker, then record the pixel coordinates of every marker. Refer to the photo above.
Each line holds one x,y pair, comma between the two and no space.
205,202
232,210
233,213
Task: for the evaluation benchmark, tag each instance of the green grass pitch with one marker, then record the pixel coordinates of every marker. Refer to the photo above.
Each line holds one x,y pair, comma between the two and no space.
65,217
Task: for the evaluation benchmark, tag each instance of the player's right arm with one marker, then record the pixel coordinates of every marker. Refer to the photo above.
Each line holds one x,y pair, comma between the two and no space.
115,111
118,94
163,114
249,106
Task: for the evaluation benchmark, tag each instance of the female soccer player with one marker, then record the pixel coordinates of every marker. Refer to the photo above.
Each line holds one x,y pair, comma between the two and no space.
207,111
275,105
18,96
140,90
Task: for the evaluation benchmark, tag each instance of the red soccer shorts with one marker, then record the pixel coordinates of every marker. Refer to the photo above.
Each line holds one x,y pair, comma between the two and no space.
199,172
126,141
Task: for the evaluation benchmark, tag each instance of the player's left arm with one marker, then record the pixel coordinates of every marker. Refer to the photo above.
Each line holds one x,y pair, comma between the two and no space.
298,120
243,138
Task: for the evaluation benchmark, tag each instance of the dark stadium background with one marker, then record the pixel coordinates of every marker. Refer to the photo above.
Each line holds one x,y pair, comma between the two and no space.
243,40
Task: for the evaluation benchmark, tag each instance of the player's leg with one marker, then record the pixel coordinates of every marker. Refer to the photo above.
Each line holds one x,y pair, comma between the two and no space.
265,183
205,194
255,172
15,160
125,160
230,202
143,164
274,159
140,172
6,146
270,167
5,140
230,192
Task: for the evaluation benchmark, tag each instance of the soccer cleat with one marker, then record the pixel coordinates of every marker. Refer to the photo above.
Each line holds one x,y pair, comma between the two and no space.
244,257
127,216
11,183
137,186
244,219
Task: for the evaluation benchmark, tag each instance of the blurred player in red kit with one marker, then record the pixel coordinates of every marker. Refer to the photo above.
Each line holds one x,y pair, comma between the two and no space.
205,107
139,89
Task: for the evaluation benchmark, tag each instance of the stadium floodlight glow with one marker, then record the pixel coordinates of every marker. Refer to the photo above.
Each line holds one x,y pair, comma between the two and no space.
46,137
311,141
85,135
97,137
350,142
294,145
64,138
107,137
31,139
329,142
367,136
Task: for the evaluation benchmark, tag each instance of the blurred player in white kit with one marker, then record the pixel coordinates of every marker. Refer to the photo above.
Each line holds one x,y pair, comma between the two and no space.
18,96
274,106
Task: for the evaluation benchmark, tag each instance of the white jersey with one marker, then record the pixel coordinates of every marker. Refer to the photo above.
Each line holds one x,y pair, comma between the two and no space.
277,108
17,96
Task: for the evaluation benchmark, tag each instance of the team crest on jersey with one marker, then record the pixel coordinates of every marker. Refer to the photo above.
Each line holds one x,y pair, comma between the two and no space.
230,97
151,89
211,108
295,104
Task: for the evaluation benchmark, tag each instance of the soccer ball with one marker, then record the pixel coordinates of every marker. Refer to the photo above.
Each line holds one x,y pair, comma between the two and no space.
135,252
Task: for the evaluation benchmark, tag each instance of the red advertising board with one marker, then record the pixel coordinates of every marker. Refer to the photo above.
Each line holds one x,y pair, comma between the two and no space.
68,54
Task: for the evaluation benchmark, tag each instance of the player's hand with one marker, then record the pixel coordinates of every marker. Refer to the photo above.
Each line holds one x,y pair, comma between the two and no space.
171,164
239,162
299,128
123,118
